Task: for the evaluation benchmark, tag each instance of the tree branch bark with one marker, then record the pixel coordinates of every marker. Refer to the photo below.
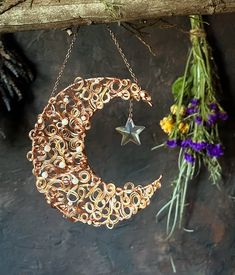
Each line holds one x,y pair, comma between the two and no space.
43,14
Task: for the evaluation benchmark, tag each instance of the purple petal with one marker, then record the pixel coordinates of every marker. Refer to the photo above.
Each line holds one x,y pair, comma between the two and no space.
186,143
189,158
198,120
171,143
212,118
215,150
213,106
194,101
223,116
191,110
199,146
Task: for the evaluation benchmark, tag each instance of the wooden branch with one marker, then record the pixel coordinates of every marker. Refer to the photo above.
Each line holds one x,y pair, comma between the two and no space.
18,15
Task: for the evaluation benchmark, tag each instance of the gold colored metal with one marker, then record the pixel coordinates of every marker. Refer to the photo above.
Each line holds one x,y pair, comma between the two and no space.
60,163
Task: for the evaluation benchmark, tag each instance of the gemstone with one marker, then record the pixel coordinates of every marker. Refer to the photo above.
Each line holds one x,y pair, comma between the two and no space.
66,100
74,181
47,148
79,149
40,120
65,121
44,174
62,164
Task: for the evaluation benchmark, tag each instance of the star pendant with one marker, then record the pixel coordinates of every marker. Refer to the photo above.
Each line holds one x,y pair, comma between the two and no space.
130,132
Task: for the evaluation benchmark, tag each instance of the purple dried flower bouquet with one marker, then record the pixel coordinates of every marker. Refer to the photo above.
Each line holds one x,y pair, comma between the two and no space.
192,124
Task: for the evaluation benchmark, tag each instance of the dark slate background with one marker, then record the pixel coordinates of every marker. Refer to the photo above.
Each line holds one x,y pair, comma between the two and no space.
35,239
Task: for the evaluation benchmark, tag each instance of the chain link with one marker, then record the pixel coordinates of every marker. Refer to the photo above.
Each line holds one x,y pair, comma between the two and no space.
114,38
74,37
130,115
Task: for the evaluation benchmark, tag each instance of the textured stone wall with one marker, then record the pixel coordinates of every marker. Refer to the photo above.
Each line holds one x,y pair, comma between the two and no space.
35,239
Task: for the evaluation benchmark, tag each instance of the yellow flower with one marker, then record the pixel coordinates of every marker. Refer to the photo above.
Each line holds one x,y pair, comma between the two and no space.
182,110
174,109
183,127
167,124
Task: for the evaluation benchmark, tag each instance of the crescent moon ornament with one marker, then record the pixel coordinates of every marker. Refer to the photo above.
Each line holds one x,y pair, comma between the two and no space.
60,163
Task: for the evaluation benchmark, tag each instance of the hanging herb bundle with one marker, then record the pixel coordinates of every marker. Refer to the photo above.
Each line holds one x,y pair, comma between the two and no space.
192,124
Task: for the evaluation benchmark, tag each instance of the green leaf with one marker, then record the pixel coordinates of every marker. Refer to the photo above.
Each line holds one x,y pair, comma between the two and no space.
177,87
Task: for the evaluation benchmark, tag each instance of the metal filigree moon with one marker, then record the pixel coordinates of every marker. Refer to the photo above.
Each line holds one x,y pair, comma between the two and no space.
60,163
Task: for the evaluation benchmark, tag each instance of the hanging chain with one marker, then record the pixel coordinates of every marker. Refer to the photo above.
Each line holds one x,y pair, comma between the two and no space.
114,38
74,37
130,114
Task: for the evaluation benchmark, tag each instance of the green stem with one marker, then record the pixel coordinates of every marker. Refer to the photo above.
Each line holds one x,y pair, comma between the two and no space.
183,194
183,86
175,199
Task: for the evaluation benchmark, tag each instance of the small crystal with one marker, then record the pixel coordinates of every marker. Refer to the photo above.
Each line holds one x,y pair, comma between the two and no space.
44,174
40,120
75,180
62,164
79,149
47,148
65,121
